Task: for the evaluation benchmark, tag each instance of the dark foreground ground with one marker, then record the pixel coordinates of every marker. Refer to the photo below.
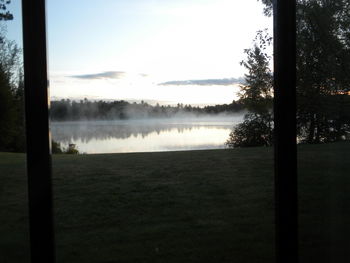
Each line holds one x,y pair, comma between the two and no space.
194,206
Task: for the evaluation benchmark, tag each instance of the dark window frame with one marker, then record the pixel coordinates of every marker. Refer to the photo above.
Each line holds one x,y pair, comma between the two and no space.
38,134
286,198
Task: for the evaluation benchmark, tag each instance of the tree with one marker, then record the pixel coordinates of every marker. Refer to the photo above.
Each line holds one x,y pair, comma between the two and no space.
268,7
11,94
322,64
256,93
7,111
256,96
322,69
11,90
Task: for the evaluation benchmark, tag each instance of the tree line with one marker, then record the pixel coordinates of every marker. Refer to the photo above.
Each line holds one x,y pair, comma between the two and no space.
70,110
11,89
323,80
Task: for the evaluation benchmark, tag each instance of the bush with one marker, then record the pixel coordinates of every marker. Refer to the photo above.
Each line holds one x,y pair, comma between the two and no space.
71,149
256,130
56,147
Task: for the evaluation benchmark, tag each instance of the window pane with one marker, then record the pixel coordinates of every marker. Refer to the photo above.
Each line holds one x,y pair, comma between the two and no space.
147,95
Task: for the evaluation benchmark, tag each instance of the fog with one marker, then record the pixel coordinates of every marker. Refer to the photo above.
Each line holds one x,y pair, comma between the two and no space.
69,131
185,130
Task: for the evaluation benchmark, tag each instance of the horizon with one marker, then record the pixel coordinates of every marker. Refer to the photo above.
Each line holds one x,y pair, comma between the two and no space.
138,101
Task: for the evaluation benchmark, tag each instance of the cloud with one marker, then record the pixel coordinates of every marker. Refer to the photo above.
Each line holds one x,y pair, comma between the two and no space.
102,75
204,82
143,75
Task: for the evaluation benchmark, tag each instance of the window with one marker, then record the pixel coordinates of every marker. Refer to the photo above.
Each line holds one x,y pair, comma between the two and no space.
38,139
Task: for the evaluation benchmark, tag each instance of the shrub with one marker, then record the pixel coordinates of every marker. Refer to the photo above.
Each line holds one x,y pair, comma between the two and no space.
71,149
56,147
256,130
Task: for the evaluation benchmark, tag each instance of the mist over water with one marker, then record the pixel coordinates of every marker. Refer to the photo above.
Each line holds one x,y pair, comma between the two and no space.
146,135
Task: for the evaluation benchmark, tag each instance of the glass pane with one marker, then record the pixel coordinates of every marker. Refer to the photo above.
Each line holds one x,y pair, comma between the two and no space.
323,130
14,232
146,93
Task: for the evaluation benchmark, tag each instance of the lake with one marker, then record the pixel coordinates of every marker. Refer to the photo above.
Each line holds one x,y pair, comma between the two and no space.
147,135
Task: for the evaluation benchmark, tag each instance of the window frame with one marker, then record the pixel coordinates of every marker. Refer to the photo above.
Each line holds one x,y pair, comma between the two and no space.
285,143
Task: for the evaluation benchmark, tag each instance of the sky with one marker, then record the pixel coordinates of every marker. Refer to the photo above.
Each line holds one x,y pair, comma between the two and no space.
166,51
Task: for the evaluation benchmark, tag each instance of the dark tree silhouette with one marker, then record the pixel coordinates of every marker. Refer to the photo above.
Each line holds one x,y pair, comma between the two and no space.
11,90
322,63
256,96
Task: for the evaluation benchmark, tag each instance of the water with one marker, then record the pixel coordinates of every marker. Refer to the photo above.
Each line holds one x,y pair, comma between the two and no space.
147,135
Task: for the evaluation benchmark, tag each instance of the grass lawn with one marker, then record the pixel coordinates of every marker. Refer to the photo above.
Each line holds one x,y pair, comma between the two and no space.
194,206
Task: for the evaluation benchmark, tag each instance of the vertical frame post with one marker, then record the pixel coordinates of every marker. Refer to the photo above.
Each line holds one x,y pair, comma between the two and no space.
285,131
37,132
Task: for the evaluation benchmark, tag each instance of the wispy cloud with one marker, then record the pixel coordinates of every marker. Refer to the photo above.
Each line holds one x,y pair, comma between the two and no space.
101,75
143,75
204,82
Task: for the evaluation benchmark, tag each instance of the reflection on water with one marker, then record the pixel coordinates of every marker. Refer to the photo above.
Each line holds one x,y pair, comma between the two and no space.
145,135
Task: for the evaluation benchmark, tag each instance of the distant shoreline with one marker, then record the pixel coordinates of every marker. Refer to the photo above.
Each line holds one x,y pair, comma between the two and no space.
64,110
